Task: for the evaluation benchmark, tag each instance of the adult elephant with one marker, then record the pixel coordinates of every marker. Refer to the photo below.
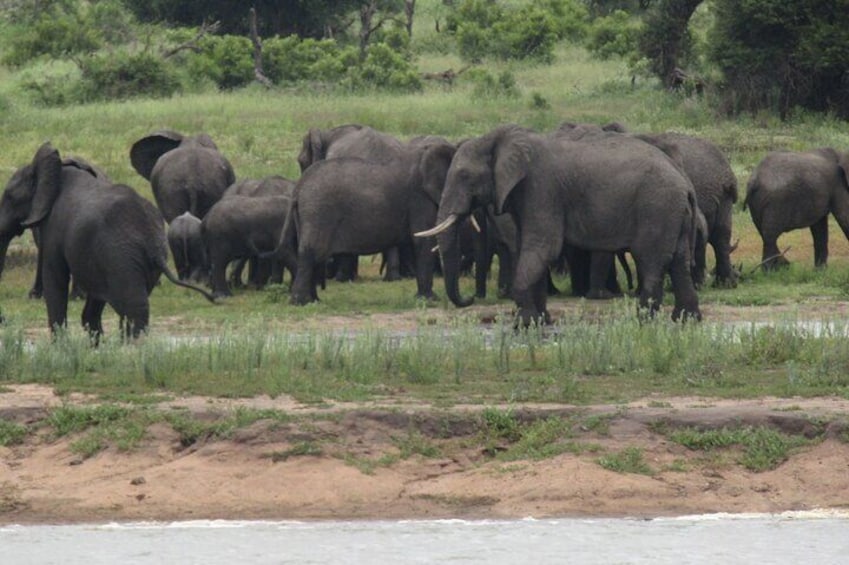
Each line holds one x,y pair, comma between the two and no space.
604,194
245,227
361,142
357,207
186,173
792,190
107,237
716,191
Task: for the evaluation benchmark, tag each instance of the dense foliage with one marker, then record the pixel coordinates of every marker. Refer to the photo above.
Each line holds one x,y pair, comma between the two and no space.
779,55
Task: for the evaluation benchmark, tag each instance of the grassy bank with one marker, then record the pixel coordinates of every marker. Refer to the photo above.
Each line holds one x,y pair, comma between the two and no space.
256,343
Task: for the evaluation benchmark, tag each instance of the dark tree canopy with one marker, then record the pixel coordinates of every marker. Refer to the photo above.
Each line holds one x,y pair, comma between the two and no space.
779,55
305,18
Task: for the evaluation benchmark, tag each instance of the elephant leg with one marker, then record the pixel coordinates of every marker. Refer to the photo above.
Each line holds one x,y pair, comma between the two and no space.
56,279
346,267
819,231
425,261
92,317
392,264
602,269
579,270
686,300
483,254
650,287
303,287
505,274
219,274
720,241
236,273
699,262
772,257
540,296
262,272
530,270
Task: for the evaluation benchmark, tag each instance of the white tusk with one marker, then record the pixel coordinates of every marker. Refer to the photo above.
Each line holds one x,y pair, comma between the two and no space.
475,223
435,249
439,228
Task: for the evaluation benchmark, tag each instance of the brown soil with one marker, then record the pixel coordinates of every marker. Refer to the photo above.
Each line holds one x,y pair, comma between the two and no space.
260,474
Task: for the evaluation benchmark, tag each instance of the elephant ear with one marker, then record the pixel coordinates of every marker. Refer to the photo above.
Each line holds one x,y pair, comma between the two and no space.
512,160
312,149
433,168
145,152
47,183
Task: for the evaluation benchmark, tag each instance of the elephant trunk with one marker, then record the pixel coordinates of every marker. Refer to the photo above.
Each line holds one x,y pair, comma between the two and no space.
449,249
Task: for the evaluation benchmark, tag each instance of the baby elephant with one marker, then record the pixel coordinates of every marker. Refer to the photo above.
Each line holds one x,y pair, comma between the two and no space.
187,248
790,190
241,227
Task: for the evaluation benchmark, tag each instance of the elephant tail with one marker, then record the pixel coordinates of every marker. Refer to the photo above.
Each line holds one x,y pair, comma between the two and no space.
163,266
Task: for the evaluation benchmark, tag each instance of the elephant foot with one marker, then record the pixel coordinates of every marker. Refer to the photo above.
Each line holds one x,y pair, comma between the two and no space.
686,314
34,294
602,294
300,300
221,294
527,317
427,296
725,282
775,263
506,293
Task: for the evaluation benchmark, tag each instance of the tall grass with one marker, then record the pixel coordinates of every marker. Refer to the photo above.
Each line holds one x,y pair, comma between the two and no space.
614,358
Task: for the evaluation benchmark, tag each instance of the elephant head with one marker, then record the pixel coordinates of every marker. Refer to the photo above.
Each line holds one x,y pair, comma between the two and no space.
316,143
29,196
483,171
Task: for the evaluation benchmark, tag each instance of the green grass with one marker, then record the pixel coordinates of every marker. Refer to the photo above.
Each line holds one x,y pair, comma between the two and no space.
12,433
629,460
762,448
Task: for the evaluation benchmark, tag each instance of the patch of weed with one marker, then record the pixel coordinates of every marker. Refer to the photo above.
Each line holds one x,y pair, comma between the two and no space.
629,460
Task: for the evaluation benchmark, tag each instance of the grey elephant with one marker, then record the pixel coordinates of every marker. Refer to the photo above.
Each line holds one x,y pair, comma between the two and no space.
355,206
187,174
604,194
716,191
794,190
245,227
362,142
259,269
187,248
107,237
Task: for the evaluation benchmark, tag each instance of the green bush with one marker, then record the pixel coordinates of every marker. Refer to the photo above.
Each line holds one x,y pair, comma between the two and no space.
529,31
615,35
52,35
488,85
54,83
226,60
292,59
123,75
384,68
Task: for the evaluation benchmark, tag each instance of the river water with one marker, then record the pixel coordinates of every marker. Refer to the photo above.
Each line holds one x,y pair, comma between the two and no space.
803,537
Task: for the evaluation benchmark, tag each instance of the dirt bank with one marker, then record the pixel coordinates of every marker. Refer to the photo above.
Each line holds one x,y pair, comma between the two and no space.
344,461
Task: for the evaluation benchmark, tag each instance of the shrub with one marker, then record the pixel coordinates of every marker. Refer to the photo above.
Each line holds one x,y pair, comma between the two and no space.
125,75
528,31
386,69
55,83
488,85
615,35
53,35
227,60
292,59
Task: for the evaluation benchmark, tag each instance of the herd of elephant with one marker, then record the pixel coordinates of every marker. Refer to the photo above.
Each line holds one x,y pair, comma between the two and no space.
582,195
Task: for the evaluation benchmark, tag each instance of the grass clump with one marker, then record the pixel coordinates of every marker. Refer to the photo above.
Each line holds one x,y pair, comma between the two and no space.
629,460
12,433
763,448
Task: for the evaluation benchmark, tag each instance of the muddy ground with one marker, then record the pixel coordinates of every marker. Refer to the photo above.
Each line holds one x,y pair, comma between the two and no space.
354,468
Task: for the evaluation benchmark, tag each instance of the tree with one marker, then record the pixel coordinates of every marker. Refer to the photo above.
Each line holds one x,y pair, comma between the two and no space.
665,41
779,55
